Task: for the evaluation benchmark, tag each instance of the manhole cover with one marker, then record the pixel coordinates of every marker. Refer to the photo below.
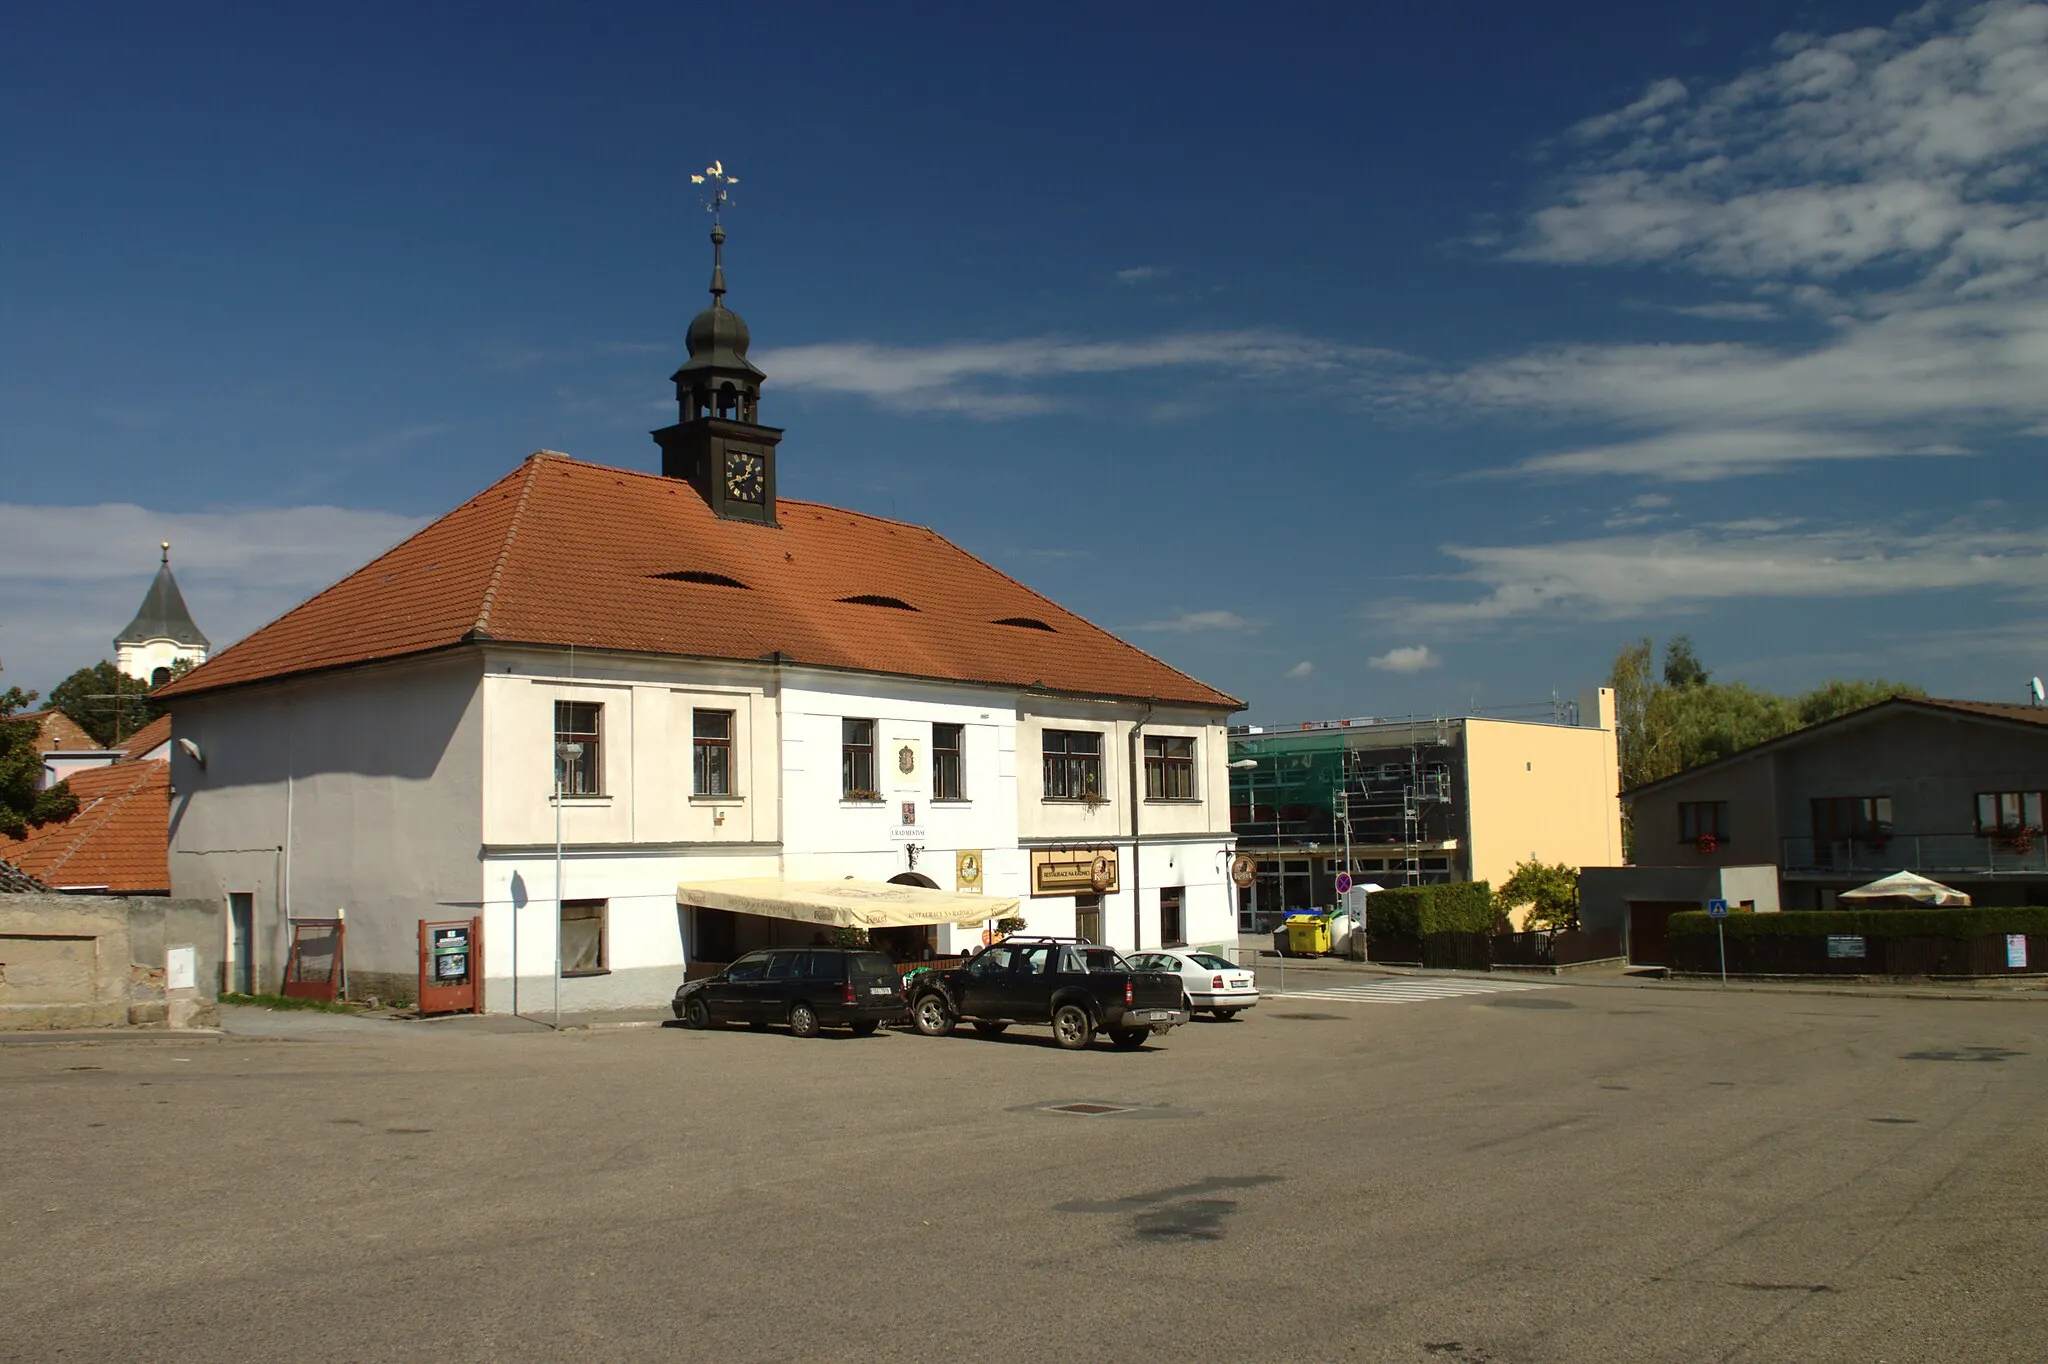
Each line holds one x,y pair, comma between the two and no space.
1090,1109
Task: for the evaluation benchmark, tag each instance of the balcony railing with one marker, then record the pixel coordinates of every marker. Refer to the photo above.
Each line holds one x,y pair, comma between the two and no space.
1997,855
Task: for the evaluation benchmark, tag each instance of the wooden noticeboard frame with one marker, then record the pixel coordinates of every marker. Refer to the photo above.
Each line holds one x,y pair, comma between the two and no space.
1073,871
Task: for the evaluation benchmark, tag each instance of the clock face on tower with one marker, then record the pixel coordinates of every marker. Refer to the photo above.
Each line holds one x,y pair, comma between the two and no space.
745,477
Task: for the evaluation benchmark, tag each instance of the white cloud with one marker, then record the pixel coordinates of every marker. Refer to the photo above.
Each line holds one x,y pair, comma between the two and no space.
1138,274
1199,622
991,379
1412,658
1301,669
73,576
1731,312
1891,184
1621,576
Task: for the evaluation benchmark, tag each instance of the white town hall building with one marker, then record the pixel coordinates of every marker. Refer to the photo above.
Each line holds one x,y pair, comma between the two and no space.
724,684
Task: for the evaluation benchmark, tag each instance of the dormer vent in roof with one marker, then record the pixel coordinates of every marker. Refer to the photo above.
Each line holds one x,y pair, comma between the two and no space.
874,599
706,578
1027,623
718,445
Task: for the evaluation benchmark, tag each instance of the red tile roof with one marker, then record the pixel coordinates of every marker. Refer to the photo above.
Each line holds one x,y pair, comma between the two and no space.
117,841
155,734
560,552
57,731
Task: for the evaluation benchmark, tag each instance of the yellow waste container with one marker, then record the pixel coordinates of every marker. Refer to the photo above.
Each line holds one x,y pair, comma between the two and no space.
1308,935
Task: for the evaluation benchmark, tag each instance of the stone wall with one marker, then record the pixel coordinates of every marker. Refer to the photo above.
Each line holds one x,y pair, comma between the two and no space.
102,961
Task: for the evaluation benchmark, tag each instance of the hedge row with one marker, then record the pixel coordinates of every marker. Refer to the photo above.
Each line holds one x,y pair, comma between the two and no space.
1415,911
1867,923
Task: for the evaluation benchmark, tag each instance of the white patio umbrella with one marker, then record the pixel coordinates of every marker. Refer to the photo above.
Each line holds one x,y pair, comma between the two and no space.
1905,885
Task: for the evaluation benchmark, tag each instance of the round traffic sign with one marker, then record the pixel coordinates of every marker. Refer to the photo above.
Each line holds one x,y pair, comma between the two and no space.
1343,883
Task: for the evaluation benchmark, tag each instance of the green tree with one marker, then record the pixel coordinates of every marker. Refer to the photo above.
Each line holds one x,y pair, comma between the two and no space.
1830,699
106,702
1684,718
1682,666
1552,888
22,806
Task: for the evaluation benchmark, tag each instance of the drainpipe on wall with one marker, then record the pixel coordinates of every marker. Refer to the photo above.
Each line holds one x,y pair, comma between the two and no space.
1137,883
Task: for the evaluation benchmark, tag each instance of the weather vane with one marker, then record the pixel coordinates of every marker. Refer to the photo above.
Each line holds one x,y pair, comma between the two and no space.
717,188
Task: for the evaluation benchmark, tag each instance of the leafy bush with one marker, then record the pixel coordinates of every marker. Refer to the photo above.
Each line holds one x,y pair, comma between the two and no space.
1552,888
1415,911
1867,923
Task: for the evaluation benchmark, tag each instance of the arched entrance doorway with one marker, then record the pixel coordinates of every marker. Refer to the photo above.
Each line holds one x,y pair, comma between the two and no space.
914,943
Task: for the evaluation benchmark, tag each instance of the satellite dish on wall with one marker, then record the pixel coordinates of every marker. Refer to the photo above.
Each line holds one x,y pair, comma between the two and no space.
2039,695
192,751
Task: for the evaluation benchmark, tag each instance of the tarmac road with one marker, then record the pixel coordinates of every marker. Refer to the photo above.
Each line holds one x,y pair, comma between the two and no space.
1565,1174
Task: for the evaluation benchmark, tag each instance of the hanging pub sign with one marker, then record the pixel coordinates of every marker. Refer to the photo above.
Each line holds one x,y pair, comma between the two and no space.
967,870
1073,871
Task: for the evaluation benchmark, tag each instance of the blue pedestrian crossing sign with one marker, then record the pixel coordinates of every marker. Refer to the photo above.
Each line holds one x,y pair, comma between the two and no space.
1717,909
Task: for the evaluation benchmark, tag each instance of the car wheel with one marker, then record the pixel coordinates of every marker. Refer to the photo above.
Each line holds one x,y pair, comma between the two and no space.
1071,1027
1128,1039
1224,1015
932,1017
865,1027
803,1020
982,1029
696,1013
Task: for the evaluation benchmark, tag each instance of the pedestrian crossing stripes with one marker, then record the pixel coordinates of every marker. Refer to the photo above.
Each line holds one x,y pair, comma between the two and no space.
1409,990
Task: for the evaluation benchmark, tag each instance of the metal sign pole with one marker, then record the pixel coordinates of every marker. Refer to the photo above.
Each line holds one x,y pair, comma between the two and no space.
1718,911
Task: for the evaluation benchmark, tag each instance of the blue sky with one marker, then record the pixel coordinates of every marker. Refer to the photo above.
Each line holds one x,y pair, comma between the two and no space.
1358,360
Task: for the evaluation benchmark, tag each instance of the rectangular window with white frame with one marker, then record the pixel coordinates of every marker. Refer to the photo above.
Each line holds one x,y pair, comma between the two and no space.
1169,767
2008,812
949,761
579,740
711,752
857,760
1073,764
583,937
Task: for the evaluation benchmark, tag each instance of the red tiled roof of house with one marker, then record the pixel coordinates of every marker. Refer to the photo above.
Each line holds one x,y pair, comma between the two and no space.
561,552
118,840
155,734
1996,710
57,731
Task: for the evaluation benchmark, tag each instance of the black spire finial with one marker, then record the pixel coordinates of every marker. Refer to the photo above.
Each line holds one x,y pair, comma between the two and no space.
167,550
717,266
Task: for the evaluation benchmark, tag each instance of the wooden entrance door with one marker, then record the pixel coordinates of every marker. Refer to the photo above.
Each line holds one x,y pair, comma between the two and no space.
1648,922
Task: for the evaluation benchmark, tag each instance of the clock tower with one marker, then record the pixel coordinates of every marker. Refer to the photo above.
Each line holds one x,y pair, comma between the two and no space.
719,446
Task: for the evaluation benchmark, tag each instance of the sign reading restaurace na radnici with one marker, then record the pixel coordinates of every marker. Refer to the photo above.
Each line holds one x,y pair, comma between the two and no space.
1073,871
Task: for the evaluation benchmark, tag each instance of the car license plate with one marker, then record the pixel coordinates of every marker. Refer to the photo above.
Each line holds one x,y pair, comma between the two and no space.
880,990
1159,1015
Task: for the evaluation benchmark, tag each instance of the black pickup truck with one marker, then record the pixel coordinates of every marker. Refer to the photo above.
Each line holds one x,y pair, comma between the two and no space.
1078,987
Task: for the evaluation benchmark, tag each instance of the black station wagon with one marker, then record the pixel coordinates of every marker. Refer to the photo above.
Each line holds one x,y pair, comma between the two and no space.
809,988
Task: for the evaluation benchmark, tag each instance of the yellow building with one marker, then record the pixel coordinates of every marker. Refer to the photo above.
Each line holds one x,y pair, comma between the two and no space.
1414,801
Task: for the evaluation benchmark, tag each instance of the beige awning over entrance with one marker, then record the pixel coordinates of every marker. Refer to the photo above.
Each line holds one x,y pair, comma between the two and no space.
845,904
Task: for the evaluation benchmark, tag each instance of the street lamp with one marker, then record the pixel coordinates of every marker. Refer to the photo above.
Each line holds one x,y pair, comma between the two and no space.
565,754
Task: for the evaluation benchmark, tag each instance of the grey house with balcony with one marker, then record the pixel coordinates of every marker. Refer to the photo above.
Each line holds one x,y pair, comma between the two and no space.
1950,789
